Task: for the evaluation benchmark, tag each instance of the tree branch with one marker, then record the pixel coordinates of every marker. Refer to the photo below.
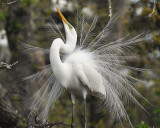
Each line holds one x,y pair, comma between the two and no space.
110,9
7,66
8,114
34,122
49,125
8,3
154,9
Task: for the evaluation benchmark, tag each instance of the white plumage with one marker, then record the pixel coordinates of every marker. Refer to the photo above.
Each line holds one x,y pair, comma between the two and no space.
94,67
4,47
78,68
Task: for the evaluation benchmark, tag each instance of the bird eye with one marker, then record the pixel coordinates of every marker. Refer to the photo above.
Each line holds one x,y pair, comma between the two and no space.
70,26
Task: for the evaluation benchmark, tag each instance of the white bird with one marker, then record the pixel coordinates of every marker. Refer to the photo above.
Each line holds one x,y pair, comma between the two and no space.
88,69
4,47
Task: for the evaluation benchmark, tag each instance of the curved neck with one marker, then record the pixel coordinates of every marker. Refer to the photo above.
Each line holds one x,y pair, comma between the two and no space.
59,46
70,43
57,65
55,59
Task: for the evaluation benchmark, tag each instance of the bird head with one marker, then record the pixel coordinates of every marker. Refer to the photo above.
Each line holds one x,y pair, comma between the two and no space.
69,29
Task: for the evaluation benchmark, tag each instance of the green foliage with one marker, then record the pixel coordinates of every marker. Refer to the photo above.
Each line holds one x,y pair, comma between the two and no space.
25,3
143,125
16,97
22,122
3,15
48,11
156,118
156,37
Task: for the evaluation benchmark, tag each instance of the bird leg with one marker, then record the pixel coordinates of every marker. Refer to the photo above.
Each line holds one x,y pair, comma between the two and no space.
73,108
85,116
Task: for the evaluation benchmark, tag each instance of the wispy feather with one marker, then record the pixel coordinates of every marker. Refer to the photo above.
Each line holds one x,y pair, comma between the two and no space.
107,58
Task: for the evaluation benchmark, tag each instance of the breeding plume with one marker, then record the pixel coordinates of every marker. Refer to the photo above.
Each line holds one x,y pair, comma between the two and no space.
92,65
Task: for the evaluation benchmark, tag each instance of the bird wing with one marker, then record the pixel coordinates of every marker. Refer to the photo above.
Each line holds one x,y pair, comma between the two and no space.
91,79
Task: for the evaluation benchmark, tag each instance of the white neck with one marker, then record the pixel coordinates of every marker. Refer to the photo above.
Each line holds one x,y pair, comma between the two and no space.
58,46
55,59
57,65
69,45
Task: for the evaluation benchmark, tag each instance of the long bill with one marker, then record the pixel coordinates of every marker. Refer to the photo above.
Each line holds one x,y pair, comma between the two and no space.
62,17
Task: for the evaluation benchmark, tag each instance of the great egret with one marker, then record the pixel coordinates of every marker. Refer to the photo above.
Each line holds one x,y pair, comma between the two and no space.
89,68
4,48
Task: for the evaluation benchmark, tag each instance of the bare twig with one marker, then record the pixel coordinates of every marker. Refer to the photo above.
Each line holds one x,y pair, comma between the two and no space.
154,9
110,9
7,66
49,125
8,3
34,122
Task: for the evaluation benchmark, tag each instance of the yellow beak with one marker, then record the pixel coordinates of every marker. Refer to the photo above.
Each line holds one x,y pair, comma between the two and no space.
61,15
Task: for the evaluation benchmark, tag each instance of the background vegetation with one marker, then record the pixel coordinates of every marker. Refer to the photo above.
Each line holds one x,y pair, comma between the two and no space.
24,20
